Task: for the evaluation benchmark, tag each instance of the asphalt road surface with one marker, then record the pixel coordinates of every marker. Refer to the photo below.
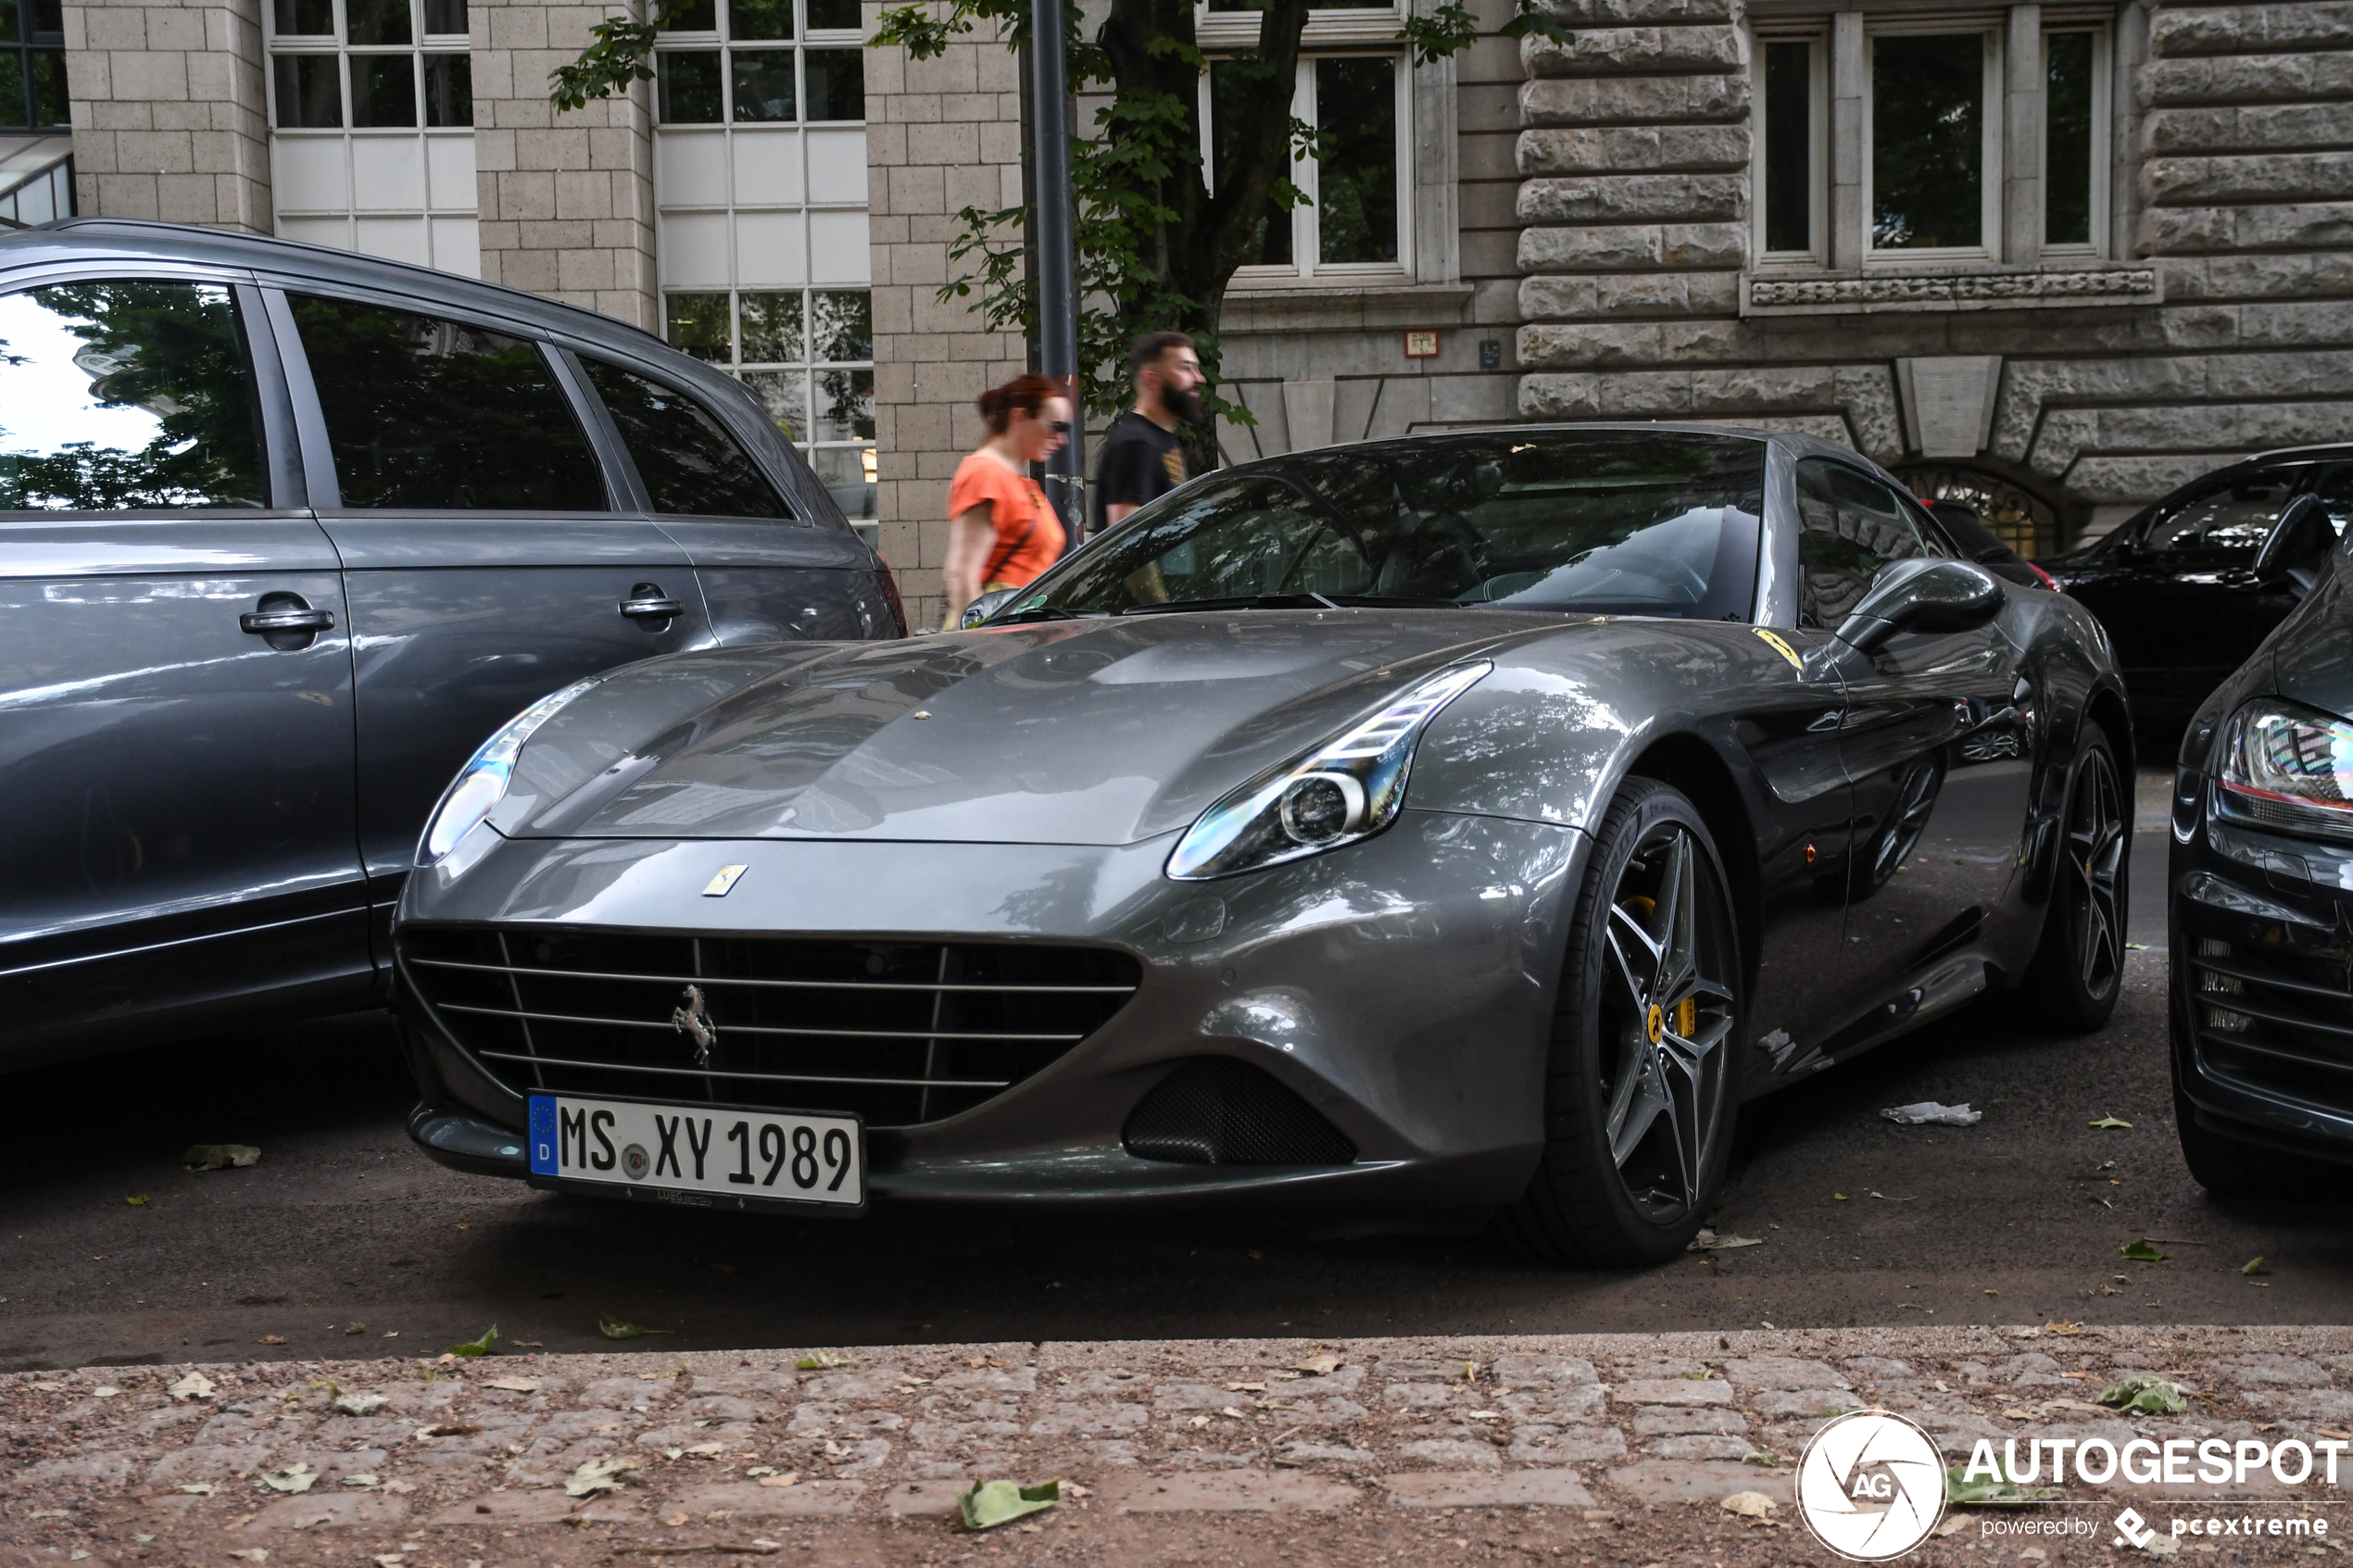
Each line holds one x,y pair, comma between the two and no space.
343,1239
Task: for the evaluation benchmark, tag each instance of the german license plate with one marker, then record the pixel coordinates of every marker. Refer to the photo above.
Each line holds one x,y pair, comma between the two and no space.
684,1148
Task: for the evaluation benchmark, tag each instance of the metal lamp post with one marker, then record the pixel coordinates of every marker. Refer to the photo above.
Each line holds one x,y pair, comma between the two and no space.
1050,210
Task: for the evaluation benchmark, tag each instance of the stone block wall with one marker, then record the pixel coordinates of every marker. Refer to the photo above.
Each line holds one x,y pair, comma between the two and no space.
567,200
169,117
941,135
2220,322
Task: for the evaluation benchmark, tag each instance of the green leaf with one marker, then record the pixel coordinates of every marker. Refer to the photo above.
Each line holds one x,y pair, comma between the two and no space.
2110,1121
1989,1494
1446,31
2145,1394
2144,1252
477,1347
137,1200
1531,17
822,1361
621,1328
2252,1267
991,1503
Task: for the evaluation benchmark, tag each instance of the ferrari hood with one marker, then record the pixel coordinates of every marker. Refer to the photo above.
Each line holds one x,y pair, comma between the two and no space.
1094,731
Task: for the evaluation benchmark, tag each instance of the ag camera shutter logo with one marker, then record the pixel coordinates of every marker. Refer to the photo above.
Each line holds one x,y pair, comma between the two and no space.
1871,1486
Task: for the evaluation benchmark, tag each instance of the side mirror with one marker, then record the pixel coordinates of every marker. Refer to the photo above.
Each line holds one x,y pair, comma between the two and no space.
984,606
2301,539
1922,594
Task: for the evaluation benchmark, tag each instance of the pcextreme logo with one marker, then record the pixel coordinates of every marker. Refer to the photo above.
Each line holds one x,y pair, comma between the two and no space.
1871,1486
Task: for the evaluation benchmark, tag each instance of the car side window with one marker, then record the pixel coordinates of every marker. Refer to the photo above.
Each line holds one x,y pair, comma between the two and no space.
1849,526
122,396
2336,494
2230,517
691,465
428,413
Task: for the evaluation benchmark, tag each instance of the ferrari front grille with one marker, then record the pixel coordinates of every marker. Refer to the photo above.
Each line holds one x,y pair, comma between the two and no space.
900,1032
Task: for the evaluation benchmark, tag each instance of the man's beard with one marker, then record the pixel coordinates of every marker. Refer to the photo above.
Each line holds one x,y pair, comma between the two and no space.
1184,404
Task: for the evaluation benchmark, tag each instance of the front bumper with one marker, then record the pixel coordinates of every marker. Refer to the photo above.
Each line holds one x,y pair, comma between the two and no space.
2261,928
1401,987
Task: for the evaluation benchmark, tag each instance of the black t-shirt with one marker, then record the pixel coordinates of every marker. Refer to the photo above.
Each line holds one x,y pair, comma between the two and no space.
1141,462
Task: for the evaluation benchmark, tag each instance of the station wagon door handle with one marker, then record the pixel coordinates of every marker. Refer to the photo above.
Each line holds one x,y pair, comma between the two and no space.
647,602
285,622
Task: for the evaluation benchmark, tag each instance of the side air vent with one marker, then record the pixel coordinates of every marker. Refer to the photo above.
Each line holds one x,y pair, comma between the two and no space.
1214,1110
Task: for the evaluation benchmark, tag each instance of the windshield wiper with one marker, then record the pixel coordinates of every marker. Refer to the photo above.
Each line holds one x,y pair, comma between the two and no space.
1037,612
1289,601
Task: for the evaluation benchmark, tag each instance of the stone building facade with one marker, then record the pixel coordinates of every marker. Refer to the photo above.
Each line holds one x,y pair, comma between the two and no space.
2056,257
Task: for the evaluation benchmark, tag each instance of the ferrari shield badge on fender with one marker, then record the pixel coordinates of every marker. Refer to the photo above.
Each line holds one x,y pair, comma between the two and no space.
718,886
1780,646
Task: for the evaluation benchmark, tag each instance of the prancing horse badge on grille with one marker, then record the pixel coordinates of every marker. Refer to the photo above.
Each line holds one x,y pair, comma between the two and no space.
691,1018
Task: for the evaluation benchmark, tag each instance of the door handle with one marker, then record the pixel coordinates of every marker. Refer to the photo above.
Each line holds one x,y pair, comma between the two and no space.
285,622
647,602
260,621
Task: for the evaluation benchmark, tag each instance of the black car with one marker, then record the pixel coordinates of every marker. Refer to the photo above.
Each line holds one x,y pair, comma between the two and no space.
2261,898
1981,544
2190,587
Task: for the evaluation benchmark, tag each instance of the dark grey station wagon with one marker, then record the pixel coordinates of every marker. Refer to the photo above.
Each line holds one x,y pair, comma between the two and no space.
284,534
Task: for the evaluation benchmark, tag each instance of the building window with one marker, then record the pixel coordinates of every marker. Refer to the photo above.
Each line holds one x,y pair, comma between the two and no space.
371,102
32,64
1935,153
746,62
1352,221
809,355
1926,142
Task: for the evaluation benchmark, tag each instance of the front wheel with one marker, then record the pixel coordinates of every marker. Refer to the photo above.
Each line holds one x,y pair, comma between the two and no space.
2077,971
1638,1100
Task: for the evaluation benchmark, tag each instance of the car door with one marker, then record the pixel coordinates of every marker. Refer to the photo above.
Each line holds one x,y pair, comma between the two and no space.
2189,566
176,781
486,557
766,575
1936,743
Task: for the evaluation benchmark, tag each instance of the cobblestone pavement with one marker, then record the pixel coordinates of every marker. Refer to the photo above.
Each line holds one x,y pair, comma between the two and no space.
1586,1450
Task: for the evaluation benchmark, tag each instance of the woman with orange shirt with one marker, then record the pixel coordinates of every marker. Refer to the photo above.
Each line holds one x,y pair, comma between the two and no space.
1002,533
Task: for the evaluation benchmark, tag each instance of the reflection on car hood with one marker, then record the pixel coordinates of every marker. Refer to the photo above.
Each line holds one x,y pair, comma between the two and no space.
1093,732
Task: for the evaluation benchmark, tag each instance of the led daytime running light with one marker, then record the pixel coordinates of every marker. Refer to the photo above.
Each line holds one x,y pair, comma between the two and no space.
482,783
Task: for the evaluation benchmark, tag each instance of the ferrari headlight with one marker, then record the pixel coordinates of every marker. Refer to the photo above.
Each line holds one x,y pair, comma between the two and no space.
482,783
2287,767
1348,788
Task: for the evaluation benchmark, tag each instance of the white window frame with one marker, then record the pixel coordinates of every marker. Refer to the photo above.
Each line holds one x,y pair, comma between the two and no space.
2102,146
451,231
1306,263
1990,168
1817,251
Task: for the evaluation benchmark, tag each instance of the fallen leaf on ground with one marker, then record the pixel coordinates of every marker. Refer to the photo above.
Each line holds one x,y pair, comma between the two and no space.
219,1155
272,1339
2143,1251
822,1361
449,1429
476,1347
1931,1114
621,1328
137,1200
1953,1525
252,1554
195,1386
513,1385
298,1478
1748,1505
360,1480
1708,1241
1985,1492
991,1503
198,1488
597,1476
2109,1122
786,1479
2145,1394
359,1404
1322,1363
2253,1266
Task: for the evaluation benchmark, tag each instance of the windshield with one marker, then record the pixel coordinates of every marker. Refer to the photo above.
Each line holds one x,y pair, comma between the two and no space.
1630,522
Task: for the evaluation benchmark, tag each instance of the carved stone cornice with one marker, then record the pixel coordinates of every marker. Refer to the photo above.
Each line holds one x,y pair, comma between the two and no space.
1766,294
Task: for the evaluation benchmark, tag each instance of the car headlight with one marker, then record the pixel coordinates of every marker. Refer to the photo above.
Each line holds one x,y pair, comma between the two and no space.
1348,788
482,783
2289,767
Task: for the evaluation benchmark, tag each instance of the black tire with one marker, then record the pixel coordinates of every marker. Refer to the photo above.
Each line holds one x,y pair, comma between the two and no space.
2078,970
1639,1099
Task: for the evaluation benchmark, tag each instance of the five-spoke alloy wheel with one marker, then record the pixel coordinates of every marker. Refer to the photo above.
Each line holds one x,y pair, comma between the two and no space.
2079,970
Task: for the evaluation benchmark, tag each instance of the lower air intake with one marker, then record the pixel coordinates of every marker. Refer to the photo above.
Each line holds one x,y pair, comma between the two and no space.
1214,1110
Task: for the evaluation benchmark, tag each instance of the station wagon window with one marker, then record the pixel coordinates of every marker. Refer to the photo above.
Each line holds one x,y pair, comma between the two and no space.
117,396
2230,516
433,414
691,465
1849,526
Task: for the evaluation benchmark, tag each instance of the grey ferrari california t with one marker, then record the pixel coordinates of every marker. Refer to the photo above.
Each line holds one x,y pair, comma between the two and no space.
1404,831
